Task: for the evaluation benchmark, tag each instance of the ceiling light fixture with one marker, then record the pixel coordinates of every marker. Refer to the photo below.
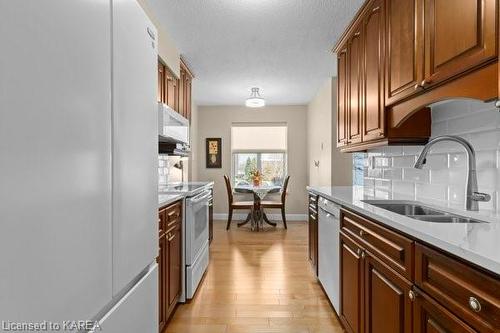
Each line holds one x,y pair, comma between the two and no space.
255,101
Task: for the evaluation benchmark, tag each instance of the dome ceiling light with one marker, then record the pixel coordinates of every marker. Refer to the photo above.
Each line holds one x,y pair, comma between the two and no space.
255,100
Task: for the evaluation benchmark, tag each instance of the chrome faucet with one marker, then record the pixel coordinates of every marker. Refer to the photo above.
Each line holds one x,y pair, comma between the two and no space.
472,195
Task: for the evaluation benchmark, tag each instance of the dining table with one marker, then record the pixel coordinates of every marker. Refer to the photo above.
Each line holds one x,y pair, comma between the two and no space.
257,216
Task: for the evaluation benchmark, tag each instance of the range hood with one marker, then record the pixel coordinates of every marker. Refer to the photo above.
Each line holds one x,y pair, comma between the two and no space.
172,127
174,149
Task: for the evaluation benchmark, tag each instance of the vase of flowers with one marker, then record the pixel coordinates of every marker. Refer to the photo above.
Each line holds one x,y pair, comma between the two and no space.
256,177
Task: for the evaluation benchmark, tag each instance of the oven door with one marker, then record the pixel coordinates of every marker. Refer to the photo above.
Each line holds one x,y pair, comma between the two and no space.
196,225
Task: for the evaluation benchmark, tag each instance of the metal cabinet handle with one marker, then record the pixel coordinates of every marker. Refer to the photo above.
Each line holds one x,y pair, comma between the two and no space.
361,233
358,252
412,295
474,304
417,86
426,82
356,34
363,254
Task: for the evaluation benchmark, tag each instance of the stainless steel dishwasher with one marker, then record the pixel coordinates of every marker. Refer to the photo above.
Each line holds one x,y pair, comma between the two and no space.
328,250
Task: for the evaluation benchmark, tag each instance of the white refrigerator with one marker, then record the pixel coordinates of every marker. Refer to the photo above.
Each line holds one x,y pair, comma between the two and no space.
78,165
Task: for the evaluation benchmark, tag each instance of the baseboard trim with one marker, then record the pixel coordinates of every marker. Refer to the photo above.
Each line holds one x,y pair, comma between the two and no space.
272,217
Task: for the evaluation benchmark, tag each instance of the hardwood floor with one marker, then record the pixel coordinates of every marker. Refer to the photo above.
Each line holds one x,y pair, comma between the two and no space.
258,282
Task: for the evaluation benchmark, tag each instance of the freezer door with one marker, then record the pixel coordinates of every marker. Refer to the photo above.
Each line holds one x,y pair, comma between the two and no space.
135,142
55,159
137,311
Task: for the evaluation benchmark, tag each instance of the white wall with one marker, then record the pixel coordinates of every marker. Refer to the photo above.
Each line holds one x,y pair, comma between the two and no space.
215,121
167,50
442,180
334,167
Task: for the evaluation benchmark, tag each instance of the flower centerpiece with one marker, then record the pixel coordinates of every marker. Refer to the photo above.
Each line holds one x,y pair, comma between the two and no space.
256,177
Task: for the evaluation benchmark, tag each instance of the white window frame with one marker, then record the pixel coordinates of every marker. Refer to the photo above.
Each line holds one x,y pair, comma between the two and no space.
258,152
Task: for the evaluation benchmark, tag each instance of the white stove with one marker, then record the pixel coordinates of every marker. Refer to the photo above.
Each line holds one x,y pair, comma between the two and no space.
198,196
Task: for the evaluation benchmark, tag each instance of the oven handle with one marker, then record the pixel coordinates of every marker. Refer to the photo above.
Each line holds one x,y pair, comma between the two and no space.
200,197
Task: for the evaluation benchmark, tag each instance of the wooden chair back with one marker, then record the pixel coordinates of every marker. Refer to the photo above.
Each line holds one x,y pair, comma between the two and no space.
285,186
229,190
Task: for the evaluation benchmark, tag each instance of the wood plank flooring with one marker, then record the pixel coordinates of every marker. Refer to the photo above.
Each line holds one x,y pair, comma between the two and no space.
258,282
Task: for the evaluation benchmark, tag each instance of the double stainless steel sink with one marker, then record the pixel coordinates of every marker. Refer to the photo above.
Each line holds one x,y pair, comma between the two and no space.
418,211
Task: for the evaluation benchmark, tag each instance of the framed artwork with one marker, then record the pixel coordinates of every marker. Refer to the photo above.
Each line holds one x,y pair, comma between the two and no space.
214,153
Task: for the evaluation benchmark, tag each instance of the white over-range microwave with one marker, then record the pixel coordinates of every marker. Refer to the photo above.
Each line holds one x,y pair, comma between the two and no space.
173,131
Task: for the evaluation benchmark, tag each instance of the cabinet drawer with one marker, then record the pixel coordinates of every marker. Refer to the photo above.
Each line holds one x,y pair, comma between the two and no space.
469,293
173,214
392,248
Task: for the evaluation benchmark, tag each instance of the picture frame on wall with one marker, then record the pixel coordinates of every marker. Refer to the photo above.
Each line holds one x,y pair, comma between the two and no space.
214,153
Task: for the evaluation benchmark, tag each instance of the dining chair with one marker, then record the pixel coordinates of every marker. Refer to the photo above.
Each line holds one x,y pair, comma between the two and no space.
279,204
232,205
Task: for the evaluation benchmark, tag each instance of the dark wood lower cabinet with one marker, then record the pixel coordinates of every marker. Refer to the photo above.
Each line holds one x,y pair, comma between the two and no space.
430,317
162,277
174,269
351,285
313,232
445,295
169,261
388,306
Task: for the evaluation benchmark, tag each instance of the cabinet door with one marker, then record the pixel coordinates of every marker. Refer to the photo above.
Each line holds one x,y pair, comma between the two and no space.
388,308
187,100
182,95
172,95
354,52
459,35
162,279
174,267
373,126
351,285
313,240
404,49
342,108
431,317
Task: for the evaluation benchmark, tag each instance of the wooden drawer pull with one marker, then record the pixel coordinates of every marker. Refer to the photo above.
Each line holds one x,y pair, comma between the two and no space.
474,304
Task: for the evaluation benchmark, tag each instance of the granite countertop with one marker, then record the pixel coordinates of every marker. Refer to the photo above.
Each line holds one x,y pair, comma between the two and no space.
478,243
166,199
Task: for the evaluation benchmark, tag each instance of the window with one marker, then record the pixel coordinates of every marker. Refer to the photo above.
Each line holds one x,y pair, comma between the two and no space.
259,147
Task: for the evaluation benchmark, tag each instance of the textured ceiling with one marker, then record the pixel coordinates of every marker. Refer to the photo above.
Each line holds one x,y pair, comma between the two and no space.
281,46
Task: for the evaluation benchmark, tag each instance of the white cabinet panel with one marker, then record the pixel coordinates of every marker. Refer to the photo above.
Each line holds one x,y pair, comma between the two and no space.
135,143
55,159
137,311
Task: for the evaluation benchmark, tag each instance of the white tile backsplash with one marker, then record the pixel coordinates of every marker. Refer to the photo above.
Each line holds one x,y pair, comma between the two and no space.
443,178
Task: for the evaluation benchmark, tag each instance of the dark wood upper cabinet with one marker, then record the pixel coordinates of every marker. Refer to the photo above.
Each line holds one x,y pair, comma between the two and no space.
388,307
373,45
459,35
342,104
161,82
404,49
403,55
173,91
354,77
